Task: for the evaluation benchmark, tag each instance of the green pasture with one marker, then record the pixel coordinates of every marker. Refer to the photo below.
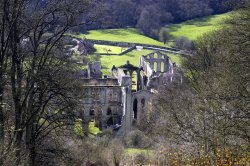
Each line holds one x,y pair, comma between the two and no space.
197,27
133,57
108,49
130,35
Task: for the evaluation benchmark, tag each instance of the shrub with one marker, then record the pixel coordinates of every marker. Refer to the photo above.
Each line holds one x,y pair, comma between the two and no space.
164,36
117,151
184,43
136,139
140,159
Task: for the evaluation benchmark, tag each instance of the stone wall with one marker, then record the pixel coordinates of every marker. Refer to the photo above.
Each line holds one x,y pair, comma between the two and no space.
103,104
132,46
111,101
126,44
141,105
109,82
94,70
146,67
157,61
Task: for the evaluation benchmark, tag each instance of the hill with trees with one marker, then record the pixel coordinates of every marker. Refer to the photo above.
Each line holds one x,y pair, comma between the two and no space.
150,15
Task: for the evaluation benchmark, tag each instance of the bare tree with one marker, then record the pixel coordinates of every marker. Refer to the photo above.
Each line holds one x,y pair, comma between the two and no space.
164,36
212,107
184,44
35,67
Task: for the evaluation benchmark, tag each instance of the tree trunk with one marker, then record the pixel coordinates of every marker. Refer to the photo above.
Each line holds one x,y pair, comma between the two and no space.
31,146
16,81
1,123
30,137
1,114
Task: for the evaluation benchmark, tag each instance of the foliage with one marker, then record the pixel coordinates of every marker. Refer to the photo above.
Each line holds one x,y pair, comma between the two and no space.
78,127
140,159
122,13
211,107
137,139
149,23
38,81
164,36
194,156
149,15
93,129
117,151
135,151
184,44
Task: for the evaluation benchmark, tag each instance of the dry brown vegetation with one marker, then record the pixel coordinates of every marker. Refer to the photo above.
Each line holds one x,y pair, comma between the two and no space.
196,156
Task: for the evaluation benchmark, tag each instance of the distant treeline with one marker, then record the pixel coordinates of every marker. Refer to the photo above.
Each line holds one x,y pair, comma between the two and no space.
149,15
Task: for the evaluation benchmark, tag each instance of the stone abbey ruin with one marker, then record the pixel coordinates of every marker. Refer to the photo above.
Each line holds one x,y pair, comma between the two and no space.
118,102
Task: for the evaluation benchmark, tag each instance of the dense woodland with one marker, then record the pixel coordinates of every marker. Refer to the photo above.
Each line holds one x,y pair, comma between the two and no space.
150,15
39,84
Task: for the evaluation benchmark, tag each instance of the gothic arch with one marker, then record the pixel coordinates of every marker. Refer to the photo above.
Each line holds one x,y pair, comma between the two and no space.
155,66
109,111
91,112
110,122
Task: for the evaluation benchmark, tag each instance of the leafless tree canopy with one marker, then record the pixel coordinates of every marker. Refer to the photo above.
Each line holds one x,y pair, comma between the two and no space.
212,106
37,80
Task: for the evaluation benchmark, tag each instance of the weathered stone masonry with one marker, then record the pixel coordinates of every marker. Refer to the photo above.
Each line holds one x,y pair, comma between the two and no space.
112,102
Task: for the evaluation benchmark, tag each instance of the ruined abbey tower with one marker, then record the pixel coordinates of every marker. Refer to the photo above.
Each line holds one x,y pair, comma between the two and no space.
118,102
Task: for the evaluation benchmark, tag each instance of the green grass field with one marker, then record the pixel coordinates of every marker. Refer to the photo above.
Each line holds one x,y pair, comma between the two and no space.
108,49
117,60
130,35
190,29
133,57
197,27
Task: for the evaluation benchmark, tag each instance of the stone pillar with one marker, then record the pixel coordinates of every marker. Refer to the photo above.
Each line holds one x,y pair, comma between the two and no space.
166,64
125,72
138,80
139,111
152,65
145,68
127,109
158,67
159,55
130,73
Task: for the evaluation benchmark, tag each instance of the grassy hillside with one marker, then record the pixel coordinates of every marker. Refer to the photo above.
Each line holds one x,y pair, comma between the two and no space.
190,29
197,27
129,35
